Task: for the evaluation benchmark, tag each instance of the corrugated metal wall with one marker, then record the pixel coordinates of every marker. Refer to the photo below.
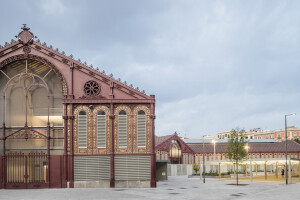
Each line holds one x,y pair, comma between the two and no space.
91,168
132,168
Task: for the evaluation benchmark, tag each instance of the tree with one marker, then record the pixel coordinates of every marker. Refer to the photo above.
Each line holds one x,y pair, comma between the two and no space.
196,167
297,140
236,149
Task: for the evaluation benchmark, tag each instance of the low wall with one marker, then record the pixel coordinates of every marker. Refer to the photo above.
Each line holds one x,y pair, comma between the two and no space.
180,169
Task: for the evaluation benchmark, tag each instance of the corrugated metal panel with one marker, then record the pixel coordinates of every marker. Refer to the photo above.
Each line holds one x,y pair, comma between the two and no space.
101,131
82,131
132,168
91,168
141,130
122,131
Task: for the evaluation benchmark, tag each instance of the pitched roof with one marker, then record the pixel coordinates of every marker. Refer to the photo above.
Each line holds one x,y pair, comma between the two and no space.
161,139
278,147
62,57
162,143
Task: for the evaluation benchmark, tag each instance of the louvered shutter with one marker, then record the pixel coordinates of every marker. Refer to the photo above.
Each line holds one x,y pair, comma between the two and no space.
82,131
132,168
101,131
122,131
141,130
91,168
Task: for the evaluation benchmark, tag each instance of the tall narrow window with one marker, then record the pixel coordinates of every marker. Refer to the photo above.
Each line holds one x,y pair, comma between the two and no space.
141,129
101,129
122,129
82,129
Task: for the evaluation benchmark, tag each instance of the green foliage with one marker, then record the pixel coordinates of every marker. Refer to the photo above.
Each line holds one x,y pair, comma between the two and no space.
236,146
211,173
297,140
196,167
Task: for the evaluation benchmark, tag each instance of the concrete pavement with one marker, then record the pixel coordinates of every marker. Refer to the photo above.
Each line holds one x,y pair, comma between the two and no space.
175,188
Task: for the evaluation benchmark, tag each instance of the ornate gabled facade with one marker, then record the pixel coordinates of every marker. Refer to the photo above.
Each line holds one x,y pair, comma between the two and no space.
173,149
65,124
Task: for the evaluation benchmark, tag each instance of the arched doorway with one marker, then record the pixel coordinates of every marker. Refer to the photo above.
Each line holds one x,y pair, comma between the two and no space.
31,113
175,152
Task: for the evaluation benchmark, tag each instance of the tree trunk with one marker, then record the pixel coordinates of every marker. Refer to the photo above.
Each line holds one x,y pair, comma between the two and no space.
237,173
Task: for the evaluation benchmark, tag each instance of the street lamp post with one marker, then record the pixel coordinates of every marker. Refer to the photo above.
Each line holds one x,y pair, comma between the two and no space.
203,160
247,149
286,177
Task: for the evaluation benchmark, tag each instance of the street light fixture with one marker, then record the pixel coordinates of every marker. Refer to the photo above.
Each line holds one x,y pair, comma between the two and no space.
247,149
286,178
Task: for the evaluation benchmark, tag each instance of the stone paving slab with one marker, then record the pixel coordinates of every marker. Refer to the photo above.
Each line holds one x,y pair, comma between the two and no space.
175,188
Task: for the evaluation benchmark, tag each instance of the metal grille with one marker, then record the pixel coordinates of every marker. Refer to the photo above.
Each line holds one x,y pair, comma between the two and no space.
30,168
132,168
91,168
141,130
82,131
122,131
101,131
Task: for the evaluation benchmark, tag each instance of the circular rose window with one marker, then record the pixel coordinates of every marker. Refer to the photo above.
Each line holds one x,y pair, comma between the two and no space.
91,88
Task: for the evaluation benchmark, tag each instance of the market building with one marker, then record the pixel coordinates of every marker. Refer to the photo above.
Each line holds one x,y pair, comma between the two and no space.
66,124
267,156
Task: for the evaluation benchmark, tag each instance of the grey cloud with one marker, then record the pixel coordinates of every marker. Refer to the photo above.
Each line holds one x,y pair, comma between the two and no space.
213,65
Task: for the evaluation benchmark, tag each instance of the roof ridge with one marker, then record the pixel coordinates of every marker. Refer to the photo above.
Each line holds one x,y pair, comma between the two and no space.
130,87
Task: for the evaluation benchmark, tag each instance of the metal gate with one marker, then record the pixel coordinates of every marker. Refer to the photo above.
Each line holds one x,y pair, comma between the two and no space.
26,171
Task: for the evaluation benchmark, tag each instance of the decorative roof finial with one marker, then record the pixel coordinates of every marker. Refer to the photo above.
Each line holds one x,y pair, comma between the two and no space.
25,28
25,36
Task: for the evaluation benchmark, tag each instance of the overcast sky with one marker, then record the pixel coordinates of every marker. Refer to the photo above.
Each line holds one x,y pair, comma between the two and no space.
213,65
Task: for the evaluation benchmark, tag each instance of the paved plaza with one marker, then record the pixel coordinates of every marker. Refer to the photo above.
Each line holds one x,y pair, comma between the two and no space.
175,188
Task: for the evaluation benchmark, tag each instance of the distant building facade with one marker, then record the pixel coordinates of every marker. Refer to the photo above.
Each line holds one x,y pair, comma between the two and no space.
278,135
263,154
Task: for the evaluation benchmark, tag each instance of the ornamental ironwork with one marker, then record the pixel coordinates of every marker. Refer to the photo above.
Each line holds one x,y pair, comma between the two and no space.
91,88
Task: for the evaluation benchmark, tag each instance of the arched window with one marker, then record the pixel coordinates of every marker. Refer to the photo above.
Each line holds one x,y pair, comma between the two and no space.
122,129
175,152
101,129
141,129
82,129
